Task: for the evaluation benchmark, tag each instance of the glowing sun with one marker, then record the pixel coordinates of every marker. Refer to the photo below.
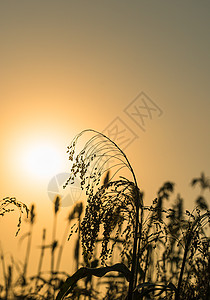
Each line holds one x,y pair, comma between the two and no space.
42,160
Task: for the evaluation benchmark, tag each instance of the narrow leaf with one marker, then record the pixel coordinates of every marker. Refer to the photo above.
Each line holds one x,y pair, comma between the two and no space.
98,272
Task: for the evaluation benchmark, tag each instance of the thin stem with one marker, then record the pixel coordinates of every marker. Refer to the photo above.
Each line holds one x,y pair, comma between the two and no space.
134,257
183,265
61,247
27,252
41,255
78,241
139,243
53,242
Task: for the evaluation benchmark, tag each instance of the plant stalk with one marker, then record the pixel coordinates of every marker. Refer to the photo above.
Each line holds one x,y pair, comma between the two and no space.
41,256
27,252
177,297
135,244
53,243
61,247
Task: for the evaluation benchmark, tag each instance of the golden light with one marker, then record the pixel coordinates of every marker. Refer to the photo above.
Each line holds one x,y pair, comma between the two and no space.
42,159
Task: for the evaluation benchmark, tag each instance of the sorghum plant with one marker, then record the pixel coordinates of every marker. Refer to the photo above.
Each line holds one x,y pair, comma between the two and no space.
115,209
111,205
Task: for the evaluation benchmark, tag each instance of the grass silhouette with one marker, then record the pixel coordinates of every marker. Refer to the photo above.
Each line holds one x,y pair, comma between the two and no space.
123,249
120,202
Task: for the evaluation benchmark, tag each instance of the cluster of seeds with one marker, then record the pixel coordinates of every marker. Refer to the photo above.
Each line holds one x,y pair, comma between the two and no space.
110,208
4,208
108,205
94,160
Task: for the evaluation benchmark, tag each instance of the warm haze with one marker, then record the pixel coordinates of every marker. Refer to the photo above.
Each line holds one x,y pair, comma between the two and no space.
66,66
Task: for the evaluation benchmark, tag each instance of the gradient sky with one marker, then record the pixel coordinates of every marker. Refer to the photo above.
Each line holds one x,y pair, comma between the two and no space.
70,65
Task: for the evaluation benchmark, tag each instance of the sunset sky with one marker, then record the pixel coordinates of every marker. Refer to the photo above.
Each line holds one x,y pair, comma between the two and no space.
70,65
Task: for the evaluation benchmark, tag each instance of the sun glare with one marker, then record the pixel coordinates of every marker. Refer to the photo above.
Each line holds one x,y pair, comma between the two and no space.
42,160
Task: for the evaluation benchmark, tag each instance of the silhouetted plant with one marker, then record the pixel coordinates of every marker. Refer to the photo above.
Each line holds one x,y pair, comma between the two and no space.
28,248
5,207
54,241
117,207
204,183
157,252
115,198
41,257
5,204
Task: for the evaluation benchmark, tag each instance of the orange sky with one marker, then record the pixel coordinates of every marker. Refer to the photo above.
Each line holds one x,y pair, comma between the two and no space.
70,65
